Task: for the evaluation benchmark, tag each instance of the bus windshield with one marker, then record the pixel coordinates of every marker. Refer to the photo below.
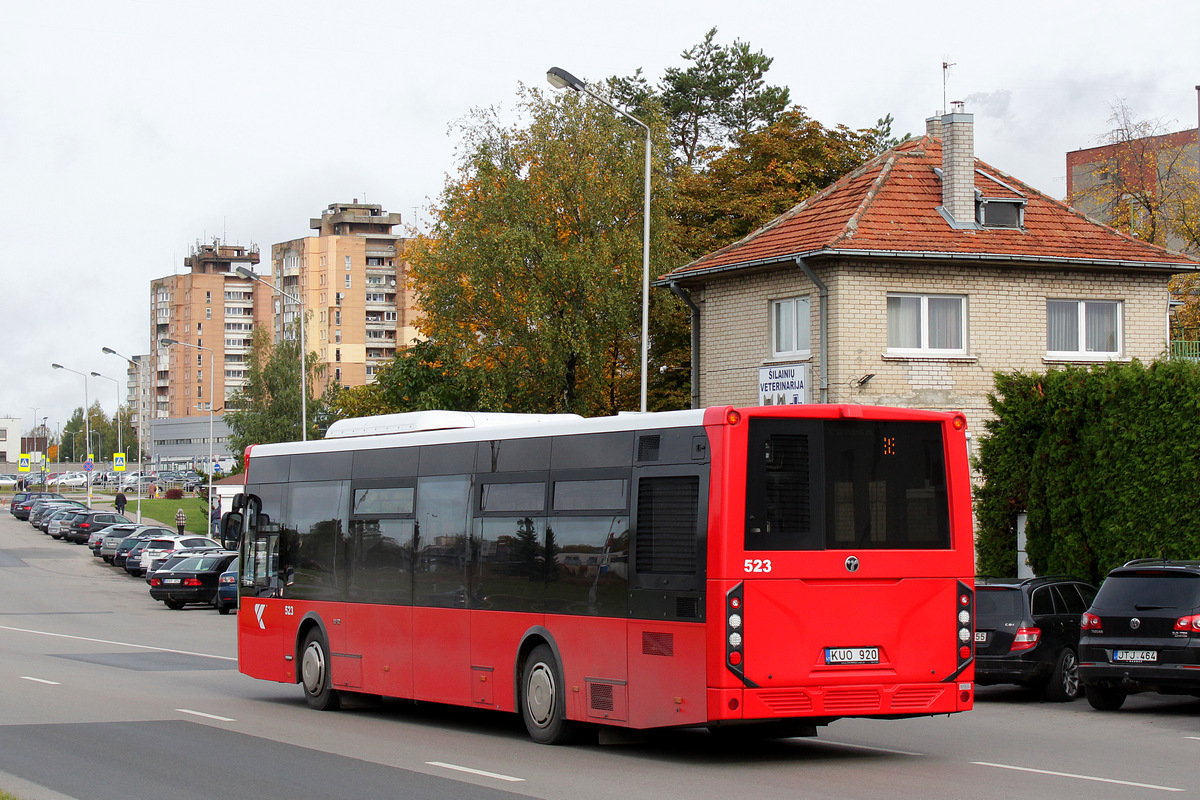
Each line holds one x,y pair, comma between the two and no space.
838,484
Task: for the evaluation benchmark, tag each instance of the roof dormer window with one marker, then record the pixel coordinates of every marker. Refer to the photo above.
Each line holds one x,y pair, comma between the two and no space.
1000,212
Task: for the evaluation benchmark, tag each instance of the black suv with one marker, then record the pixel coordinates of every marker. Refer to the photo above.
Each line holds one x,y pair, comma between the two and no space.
88,522
1027,632
1142,633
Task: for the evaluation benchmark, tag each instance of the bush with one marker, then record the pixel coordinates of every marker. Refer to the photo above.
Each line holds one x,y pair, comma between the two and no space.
174,494
1104,460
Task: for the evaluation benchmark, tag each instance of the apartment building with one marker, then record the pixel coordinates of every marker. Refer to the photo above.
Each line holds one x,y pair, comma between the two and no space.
352,278
212,311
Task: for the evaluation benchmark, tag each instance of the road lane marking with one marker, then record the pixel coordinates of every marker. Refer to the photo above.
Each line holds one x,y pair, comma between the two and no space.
1080,777
40,680
206,716
119,644
457,768
867,747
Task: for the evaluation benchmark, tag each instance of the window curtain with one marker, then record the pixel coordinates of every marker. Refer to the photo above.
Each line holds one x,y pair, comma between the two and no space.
945,323
1100,323
784,316
1062,326
904,322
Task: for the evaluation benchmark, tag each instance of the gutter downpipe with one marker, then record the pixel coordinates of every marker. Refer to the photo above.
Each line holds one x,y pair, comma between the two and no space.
683,295
823,294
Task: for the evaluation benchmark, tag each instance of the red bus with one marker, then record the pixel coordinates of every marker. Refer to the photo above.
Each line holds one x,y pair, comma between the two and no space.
770,568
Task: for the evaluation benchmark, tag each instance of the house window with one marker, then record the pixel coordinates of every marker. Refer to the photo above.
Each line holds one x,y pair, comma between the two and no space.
790,327
347,263
348,281
1083,328
926,324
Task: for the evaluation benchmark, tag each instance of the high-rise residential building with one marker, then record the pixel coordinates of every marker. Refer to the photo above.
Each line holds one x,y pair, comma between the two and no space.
352,277
212,310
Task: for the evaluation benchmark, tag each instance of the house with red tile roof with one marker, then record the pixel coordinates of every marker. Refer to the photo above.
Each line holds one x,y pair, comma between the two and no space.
913,279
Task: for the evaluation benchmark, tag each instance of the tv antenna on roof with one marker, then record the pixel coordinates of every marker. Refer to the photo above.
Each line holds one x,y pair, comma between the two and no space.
946,65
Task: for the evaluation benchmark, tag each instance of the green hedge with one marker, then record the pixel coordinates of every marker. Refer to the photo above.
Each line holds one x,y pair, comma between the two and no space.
1105,460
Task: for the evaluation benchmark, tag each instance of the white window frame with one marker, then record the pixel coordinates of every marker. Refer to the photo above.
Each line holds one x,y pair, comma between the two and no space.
924,348
1083,353
799,310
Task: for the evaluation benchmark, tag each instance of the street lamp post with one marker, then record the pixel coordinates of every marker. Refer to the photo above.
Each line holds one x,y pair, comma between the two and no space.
118,383
138,364
87,428
33,430
212,365
246,273
561,79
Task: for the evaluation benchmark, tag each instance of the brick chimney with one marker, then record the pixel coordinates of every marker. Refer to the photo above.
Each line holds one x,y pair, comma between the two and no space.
933,126
958,164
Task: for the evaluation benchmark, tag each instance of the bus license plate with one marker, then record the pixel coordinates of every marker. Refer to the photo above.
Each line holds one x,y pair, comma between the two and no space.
1135,656
851,655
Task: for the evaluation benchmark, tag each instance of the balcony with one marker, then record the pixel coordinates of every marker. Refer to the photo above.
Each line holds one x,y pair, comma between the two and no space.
1182,350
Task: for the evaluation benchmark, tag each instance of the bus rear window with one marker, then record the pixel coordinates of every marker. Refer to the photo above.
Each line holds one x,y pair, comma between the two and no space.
845,484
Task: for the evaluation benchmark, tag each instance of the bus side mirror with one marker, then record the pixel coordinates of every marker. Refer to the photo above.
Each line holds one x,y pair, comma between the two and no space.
231,529
239,502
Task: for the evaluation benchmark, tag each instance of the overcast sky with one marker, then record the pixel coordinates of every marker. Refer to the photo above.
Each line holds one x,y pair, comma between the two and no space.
130,129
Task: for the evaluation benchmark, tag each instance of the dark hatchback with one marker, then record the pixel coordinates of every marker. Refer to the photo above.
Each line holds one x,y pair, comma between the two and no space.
87,523
1027,632
191,579
22,502
1142,633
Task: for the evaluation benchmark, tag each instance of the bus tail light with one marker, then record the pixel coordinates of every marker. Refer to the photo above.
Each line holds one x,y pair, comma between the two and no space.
734,630
965,617
1026,639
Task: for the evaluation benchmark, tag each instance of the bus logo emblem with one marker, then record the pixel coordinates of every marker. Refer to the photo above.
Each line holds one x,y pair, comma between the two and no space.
852,563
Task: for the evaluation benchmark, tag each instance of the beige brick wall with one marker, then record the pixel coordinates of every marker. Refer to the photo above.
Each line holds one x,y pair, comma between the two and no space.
1006,330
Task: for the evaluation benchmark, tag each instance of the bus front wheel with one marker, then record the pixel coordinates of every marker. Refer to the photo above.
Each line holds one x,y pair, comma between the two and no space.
314,673
543,699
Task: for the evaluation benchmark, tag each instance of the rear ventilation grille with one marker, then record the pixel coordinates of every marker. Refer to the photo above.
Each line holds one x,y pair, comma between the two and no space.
601,696
687,607
915,698
656,643
648,447
851,700
793,702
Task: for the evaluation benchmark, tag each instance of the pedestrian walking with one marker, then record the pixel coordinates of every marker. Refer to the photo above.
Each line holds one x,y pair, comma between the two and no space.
180,520
120,502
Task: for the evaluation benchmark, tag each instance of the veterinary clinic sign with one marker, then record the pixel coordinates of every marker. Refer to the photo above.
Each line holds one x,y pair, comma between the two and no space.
782,385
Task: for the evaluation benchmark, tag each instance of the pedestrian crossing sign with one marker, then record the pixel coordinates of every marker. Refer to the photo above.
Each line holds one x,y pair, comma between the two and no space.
23,464
118,462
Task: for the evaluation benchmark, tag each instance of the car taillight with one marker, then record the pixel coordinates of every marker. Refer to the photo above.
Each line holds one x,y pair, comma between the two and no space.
1191,623
228,579
156,582
192,582
1090,622
1026,639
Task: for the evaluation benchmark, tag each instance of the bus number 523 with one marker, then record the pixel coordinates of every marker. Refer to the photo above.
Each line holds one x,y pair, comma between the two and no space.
758,565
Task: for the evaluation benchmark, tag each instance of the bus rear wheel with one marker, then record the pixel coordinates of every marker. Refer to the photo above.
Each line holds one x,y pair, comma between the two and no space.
543,699
314,673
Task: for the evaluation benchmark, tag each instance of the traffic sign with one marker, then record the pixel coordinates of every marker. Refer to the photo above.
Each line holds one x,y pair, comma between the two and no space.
118,462
23,463
89,465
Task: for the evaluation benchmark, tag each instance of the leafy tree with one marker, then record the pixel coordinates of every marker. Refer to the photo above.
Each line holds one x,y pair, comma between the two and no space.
531,281
720,96
268,408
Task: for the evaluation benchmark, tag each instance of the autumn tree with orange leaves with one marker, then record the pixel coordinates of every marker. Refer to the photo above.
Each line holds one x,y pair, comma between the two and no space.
530,282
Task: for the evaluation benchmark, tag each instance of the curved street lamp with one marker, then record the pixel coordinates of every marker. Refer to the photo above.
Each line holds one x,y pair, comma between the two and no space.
87,428
138,364
559,78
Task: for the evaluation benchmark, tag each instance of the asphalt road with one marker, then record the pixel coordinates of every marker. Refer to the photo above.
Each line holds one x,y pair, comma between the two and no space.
105,693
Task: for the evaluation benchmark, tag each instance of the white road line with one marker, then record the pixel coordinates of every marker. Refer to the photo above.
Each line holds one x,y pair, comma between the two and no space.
457,768
867,747
40,680
206,716
120,644
1080,777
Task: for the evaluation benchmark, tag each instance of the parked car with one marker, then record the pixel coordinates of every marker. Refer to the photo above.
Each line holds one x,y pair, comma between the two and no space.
8,481
192,579
71,480
40,507
85,524
116,534
158,549
1027,632
133,558
58,510
227,588
1142,633
63,526
23,501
